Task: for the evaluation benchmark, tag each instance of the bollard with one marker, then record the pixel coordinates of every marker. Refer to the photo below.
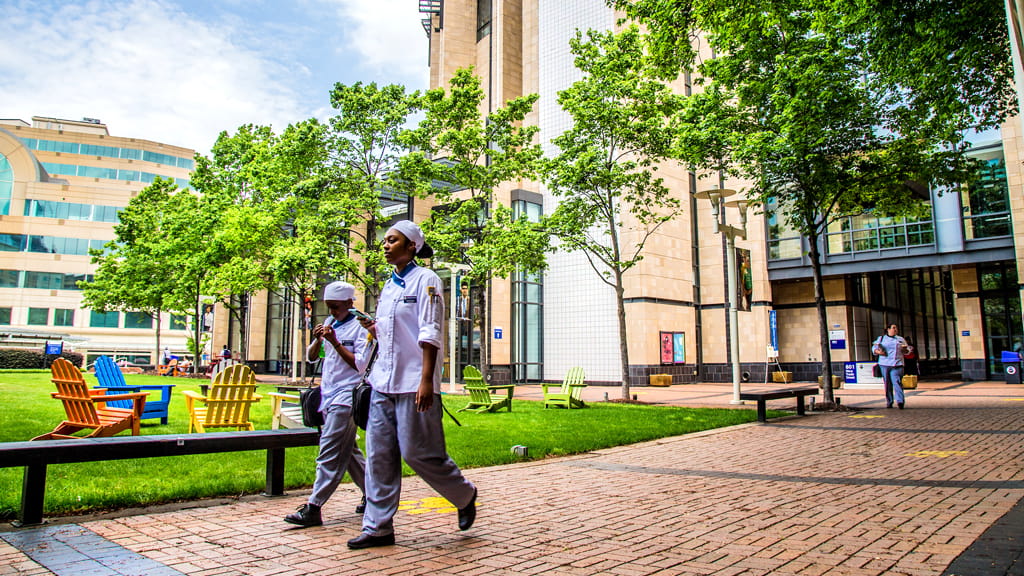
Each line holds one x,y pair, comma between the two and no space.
634,397
605,396
520,451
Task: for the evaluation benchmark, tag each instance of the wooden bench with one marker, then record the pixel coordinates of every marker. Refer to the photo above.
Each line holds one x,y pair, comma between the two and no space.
763,397
36,456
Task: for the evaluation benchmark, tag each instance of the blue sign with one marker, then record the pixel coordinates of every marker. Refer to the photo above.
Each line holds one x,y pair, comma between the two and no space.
497,333
54,349
850,372
773,328
965,333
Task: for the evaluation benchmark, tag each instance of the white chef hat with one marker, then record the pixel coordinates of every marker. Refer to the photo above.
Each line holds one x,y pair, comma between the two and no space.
410,230
339,291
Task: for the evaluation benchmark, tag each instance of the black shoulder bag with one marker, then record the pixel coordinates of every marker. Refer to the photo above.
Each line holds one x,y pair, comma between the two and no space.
309,399
362,392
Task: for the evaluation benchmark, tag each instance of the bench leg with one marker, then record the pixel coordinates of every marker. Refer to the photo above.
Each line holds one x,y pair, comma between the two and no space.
800,405
275,472
33,493
762,411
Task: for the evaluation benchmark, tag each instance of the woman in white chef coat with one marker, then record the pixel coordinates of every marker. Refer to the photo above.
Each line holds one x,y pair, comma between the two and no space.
405,409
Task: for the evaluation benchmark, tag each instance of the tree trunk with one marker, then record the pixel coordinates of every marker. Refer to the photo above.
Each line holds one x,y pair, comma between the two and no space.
157,356
819,301
485,345
620,306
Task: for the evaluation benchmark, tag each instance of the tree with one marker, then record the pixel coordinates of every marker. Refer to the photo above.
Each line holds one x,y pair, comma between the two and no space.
604,175
128,275
460,156
364,147
831,109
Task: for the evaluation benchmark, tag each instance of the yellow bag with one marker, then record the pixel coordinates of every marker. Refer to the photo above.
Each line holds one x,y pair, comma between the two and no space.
909,382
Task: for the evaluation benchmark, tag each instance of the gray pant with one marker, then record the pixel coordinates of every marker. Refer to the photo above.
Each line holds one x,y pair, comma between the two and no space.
338,452
396,431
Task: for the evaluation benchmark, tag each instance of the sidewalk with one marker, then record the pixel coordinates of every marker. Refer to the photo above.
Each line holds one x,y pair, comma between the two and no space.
876,491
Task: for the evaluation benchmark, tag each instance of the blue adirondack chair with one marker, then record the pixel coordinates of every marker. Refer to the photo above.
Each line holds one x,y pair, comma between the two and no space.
110,377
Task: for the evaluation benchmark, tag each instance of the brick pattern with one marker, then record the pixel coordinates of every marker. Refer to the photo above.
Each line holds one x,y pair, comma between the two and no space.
902,493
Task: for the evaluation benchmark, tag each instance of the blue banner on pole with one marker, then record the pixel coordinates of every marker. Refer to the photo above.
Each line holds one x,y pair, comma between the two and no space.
54,349
773,328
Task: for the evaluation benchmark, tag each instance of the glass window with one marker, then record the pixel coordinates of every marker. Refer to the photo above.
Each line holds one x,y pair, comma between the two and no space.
6,185
104,319
187,163
131,153
12,242
95,150
986,202
137,320
5,316
9,278
483,19
56,146
97,172
60,169
63,317
128,175
179,322
38,316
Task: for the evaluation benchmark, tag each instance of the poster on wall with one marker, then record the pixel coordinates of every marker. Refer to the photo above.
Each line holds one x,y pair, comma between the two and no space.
744,280
666,347
678,348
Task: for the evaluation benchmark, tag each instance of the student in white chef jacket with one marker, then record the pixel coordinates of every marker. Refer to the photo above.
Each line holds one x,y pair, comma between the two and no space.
344,343
405,408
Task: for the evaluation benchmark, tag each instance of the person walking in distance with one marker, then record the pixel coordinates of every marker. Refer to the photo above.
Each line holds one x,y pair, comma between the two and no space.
890,349
345,347
405,407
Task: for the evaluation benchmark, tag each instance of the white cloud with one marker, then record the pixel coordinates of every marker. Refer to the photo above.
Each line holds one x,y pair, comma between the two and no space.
145,67
387,38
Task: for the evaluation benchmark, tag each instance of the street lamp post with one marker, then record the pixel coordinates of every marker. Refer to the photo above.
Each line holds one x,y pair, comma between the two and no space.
718,205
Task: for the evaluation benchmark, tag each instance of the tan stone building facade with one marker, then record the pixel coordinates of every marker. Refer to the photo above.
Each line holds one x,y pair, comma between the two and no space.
950,281
62,184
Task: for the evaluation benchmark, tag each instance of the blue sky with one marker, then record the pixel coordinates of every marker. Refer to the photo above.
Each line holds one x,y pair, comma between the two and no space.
182,71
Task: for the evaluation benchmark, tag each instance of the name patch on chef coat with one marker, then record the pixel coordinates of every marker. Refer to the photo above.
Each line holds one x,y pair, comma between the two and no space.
348,342
409,299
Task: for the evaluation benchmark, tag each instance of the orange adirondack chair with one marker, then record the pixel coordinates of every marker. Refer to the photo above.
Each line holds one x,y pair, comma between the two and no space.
87,409
232,393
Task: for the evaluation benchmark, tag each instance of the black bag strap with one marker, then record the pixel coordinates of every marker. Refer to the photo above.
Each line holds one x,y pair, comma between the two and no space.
448,412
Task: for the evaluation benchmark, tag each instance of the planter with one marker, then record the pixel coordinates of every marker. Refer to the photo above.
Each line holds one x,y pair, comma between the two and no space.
661,380
783,377
837,382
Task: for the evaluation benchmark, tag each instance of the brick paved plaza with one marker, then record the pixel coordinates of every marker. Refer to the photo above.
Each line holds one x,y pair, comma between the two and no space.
873,491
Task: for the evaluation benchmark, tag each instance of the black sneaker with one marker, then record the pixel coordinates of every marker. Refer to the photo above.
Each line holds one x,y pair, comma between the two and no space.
307,515
361,507
468,514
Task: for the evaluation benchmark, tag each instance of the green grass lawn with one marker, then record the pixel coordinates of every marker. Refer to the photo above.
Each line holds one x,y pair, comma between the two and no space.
26,410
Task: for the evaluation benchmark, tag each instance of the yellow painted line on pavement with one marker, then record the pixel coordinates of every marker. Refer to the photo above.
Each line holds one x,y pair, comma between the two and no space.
937,453
1013,399
431,505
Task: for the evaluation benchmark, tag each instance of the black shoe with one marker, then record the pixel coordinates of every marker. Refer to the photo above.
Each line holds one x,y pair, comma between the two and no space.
306,515
361,507
365,540
467,515
900,405
888,404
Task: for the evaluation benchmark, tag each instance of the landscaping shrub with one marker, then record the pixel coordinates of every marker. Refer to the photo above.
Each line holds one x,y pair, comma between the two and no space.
21,358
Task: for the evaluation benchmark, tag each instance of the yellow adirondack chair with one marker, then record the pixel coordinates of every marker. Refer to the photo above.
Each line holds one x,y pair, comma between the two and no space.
568,394
87,409
231,395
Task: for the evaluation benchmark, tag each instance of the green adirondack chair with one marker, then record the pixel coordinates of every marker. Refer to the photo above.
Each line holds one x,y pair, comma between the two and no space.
480,400
568,394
